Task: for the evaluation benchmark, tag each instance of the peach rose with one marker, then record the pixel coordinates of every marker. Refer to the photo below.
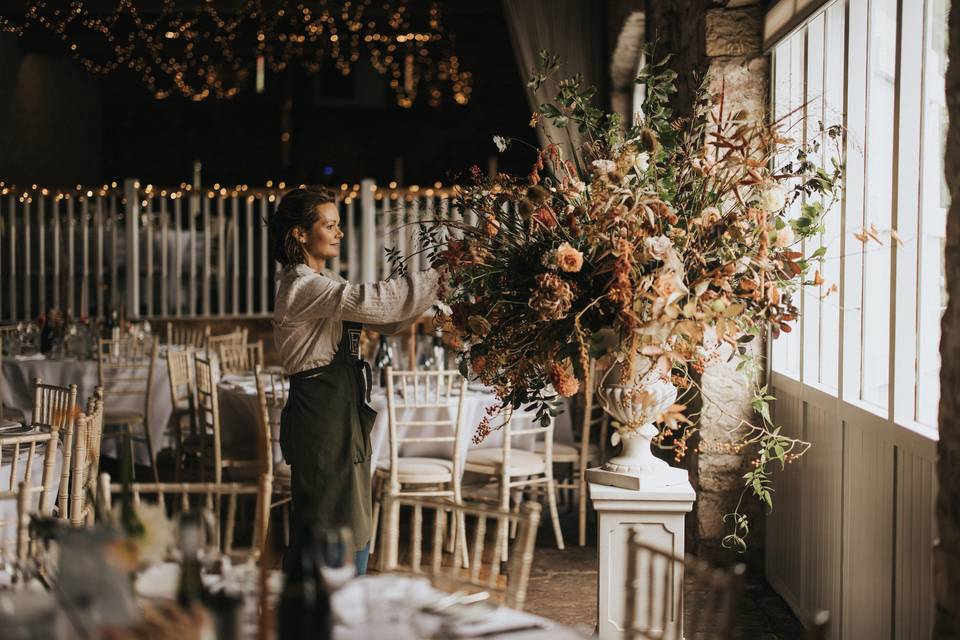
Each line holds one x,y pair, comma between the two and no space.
565,383
568,258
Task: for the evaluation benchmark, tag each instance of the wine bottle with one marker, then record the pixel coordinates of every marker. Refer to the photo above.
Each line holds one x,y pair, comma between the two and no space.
383,359
304,610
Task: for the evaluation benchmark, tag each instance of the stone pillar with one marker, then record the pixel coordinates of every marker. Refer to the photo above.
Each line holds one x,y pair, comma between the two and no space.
724,45
947,553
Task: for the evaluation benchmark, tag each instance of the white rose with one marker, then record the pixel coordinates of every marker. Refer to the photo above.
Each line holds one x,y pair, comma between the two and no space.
642,162
604,166
772,198
784,237
658,247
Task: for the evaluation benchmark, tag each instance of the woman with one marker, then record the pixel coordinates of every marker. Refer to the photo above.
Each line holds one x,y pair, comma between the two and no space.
325,425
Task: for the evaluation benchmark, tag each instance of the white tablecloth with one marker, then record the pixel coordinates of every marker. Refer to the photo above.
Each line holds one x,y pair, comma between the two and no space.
18,375
238,419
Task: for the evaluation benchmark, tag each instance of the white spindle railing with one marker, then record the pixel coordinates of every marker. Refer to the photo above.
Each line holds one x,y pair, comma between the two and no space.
180,252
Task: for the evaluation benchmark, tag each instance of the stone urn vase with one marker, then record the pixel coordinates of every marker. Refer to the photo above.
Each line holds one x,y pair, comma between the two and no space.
635,400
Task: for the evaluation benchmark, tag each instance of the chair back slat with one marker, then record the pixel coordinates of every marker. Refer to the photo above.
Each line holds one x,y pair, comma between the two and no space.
483,572
240,358
187,334
237,337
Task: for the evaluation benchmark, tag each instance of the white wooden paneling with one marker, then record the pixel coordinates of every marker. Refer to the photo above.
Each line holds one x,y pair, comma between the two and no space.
868,497
783,534
821,484
913,606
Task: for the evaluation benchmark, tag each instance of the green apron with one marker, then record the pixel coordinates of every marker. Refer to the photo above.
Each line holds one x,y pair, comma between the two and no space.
325,437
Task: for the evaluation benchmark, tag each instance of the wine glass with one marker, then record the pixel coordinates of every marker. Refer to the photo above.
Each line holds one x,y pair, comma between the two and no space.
335,546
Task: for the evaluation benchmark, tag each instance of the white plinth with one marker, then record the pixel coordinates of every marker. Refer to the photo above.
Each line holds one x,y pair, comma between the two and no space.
658,515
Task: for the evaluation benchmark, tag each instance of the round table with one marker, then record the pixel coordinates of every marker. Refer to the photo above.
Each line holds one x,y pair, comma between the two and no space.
19,373
239,424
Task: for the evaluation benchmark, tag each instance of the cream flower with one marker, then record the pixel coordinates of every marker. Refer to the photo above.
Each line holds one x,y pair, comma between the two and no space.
658,247
604,166
568,258
642,162
157,537
772,198
784,237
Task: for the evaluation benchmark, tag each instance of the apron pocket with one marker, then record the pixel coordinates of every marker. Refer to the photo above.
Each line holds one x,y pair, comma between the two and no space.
364,420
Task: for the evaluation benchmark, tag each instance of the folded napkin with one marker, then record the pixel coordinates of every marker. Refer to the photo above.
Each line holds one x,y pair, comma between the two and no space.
14,428
33,356
352,602
500,621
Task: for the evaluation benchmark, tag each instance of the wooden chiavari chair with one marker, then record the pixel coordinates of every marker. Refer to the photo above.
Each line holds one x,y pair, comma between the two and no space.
183,398
240,358
126,369
516,470
271,397
184,496
85,470
237,337
187,334
54,412
584,454
654,593
208,417
437,477
425,554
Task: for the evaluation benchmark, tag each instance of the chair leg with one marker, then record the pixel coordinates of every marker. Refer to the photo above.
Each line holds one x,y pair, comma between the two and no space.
582,506
503,529
153,456
286,524
552,502
462,534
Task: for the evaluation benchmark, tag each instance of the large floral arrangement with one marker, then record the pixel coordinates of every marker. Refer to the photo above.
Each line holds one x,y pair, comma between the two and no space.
679,236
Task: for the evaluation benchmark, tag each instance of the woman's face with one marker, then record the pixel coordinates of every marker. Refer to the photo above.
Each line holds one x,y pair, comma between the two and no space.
322,240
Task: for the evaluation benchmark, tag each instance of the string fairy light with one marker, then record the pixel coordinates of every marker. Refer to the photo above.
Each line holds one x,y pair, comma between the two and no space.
199,51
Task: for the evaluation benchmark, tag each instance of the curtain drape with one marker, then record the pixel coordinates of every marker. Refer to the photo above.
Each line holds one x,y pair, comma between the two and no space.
571,29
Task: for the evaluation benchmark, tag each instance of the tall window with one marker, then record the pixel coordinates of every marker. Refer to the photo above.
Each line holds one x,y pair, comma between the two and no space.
870,334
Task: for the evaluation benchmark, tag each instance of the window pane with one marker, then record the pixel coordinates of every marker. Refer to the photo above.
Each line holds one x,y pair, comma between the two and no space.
782,99
934,201
878,219
829,294
810,312
852,286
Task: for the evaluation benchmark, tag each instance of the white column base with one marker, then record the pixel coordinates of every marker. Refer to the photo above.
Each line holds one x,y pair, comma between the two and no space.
658,514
